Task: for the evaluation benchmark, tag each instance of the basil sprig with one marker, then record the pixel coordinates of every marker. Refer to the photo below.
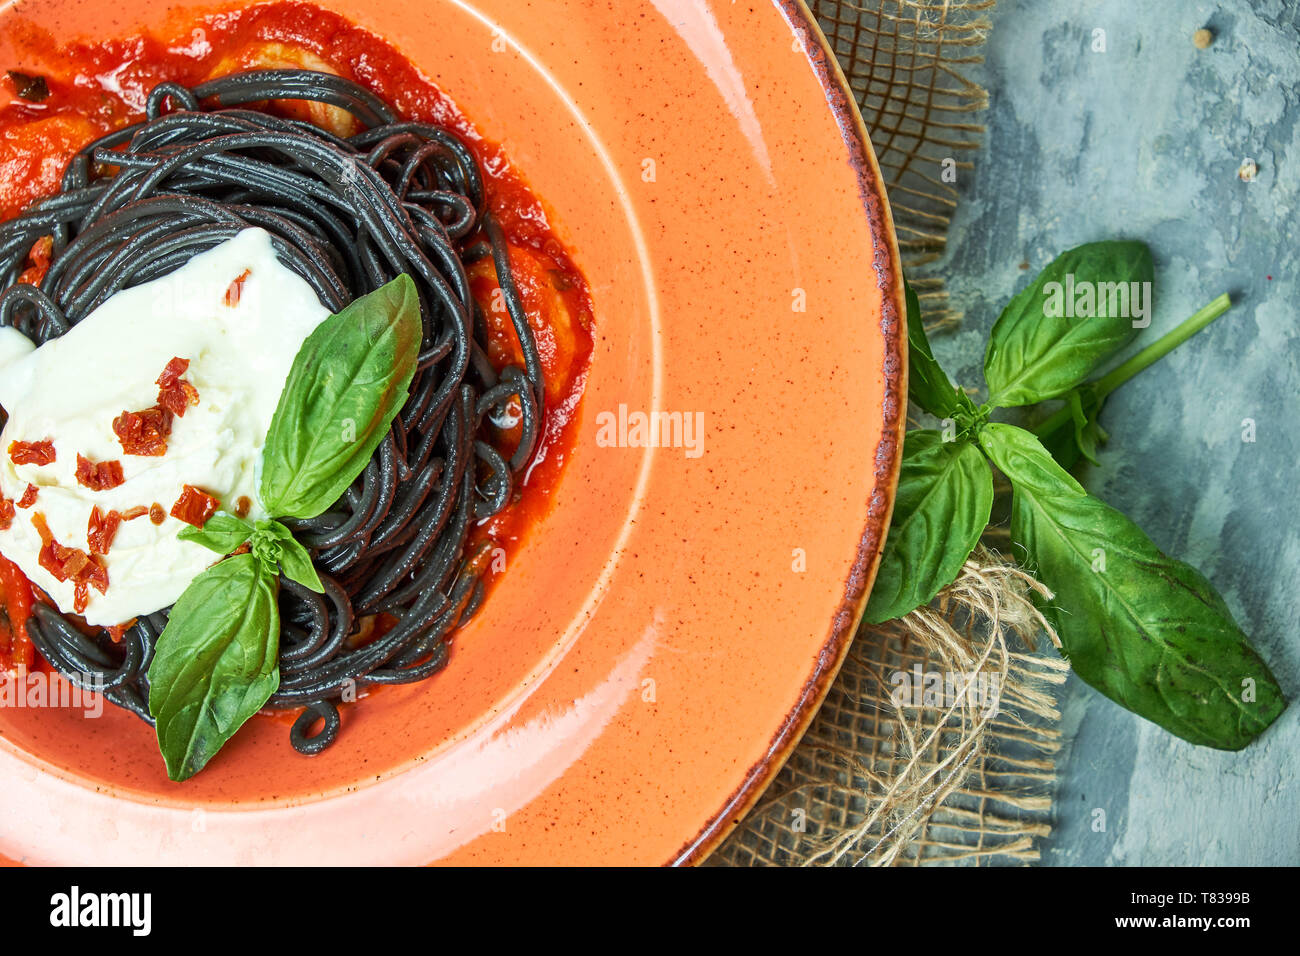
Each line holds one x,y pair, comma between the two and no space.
1146,630
270,542
216,663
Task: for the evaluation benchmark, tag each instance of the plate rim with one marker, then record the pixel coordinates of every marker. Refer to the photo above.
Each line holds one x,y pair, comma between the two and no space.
887,266
860,574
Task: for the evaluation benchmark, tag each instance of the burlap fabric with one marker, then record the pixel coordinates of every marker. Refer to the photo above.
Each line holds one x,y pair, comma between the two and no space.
888,774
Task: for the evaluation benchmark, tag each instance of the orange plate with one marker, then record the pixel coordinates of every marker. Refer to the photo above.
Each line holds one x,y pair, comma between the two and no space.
667,631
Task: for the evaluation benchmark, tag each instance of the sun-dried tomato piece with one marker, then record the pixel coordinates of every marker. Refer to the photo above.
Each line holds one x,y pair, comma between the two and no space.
43,529
236,289
156,513
118,631
194,506
144,433
139,511
29,497
50,562
98,475
52,557
174,393
179,398
101,530
38,261
172,372
74,561
32,452
6,513
72,564
96,574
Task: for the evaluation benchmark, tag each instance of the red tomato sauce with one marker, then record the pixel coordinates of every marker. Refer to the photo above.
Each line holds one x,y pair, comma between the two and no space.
96,87
16,650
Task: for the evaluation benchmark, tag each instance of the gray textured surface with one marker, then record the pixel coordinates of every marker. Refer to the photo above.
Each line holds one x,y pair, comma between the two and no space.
1144,141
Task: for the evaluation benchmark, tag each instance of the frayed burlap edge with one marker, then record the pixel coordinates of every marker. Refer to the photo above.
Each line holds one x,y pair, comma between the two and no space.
889,775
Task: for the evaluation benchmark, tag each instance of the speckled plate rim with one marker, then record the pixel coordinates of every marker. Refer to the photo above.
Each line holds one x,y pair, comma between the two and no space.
890,321
857,588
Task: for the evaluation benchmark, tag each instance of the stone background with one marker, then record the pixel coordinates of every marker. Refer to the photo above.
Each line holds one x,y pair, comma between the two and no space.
1144,141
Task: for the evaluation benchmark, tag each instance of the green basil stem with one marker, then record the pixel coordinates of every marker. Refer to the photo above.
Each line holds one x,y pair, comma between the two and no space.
1147,357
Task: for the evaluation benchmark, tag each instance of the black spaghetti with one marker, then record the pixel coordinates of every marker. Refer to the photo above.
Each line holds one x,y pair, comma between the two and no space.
347,215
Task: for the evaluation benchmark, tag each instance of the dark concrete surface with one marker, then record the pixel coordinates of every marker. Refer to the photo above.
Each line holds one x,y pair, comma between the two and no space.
1144,141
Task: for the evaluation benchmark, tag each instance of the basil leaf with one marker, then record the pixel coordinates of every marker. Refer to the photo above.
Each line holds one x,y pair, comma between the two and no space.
1084,428
927,383
274,547
222,533
295,564
216,662
1038,351
1147,631
267,543
945,494
1074,432
348,382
